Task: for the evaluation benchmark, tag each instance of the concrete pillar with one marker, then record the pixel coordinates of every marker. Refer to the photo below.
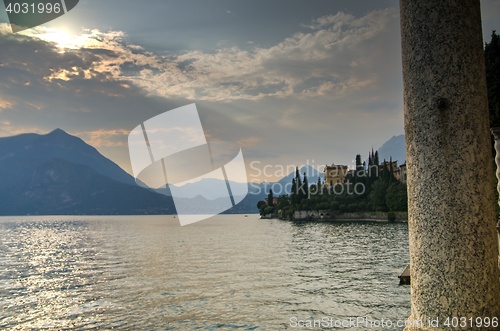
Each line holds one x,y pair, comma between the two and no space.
453,240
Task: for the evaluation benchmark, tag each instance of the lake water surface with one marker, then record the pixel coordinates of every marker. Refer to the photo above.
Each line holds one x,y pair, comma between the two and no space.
227,273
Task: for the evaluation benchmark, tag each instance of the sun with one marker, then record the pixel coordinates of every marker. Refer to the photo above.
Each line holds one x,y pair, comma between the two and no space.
60,37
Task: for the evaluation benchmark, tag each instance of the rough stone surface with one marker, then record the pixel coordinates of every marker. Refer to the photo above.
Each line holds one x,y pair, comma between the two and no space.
451,216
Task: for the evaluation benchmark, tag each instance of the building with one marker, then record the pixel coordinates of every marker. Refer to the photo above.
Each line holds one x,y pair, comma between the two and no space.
275,201
335,174
400,173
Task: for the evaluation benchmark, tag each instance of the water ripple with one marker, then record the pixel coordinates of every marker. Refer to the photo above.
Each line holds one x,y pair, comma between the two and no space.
227,273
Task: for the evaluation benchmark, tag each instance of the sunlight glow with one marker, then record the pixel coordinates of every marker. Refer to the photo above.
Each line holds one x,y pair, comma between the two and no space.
62,38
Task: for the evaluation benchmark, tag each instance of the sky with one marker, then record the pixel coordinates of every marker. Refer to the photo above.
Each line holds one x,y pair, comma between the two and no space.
290,82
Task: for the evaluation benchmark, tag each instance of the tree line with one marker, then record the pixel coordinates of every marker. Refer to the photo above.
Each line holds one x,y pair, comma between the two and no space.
369,188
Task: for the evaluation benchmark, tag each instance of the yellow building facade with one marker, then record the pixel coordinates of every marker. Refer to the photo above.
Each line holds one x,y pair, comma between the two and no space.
335,174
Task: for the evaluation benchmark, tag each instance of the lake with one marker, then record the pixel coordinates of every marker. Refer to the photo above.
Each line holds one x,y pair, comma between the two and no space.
227,273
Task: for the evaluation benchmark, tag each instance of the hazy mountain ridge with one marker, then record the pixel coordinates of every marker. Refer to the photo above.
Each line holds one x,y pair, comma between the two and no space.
394,148
59,144
58,173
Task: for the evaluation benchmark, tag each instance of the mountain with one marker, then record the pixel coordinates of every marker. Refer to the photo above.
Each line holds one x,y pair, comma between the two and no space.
395,148
58,173
256,192
212,186
37,148
312,178
248,205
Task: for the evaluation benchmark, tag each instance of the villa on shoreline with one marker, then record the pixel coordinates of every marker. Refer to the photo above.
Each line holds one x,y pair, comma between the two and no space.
373,190
335,174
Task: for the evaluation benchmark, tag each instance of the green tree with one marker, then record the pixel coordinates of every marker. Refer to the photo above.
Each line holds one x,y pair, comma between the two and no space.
358,162
297,188
492,62
377,197
298,181
270,198
305,186
372,170
268,210
261,205
396,197
391,172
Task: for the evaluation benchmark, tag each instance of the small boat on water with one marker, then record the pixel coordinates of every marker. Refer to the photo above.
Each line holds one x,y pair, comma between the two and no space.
404,278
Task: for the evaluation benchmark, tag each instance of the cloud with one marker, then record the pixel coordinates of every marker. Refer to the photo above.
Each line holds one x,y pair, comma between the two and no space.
7,129
44,86
5,103
105,137
249,141
334,59
5,29
274,101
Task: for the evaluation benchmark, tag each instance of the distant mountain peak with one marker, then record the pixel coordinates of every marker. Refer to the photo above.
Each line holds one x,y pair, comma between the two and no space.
394,148
57,132
60,134
60,144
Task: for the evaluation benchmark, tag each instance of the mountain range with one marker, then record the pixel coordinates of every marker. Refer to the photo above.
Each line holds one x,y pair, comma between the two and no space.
58,173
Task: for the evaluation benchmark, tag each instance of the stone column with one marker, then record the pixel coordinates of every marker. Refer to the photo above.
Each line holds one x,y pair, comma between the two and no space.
453,241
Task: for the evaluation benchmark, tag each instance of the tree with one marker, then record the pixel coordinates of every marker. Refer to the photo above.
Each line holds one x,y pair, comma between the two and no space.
358,162
298,191
268,210
377,197
396,197
492,62
357,169
298,182
261,205
270,198
305,186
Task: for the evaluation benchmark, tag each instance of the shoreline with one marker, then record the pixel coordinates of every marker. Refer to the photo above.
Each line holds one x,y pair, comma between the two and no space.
322,216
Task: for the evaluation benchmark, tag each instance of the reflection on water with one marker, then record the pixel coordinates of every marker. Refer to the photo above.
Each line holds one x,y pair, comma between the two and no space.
230,272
